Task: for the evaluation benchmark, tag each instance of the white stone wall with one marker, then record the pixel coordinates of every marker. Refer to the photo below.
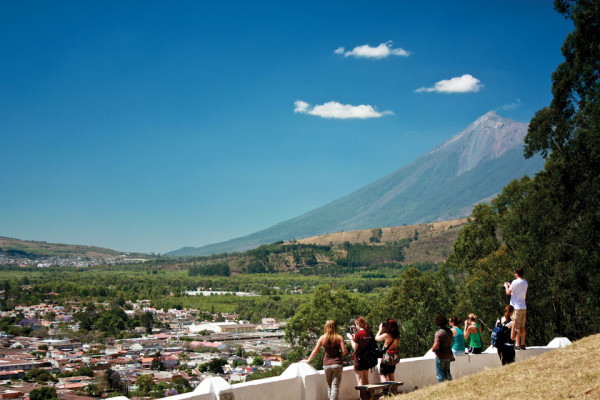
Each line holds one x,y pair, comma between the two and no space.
302,382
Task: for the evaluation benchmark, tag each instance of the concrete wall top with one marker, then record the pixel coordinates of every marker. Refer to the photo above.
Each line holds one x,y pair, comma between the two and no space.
300,381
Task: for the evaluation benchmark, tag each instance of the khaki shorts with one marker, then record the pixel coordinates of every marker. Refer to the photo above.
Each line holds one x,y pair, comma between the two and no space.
519,316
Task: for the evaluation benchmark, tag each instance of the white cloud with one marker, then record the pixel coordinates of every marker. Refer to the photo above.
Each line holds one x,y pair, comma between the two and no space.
511,105
460,84
333,109
301,106
365,51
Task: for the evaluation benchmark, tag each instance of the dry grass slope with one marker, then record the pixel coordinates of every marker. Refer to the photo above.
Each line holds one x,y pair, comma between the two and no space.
434,244
569,373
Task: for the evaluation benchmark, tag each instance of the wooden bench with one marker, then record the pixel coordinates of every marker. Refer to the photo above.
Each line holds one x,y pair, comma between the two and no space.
373,391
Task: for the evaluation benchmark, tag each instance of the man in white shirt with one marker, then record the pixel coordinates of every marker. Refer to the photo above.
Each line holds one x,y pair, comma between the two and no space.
517,290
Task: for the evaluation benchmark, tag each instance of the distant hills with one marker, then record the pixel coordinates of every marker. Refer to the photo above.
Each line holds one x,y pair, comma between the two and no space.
334,254
10,247
423,244
443,184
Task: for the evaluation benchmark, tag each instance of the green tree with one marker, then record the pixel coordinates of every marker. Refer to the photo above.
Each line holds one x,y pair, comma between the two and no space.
258,361
84,371
145,383
375,235
114,382
50,316
413,301
306,326
147,320
567,134
180,384
550,225
215,365
93,390
44,393
157,364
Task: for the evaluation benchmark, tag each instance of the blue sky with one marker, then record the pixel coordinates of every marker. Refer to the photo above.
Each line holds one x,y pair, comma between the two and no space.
148,126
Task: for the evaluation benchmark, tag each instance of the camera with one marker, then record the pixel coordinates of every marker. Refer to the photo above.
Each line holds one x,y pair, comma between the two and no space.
384,325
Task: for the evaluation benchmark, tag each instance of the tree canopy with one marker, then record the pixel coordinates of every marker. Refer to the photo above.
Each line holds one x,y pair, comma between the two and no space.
549,225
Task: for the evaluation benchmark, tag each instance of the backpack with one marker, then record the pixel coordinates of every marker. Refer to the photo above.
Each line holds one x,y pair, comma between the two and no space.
367,357
500,335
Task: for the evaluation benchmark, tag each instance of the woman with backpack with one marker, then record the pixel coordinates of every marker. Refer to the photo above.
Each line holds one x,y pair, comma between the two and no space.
473,333
388,334
360,341
333,365
506,340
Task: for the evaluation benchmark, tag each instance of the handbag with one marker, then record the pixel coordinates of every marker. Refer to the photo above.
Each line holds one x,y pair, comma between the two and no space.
390,359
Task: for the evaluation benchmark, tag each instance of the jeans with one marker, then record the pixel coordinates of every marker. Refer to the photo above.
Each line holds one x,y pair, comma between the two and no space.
442,368
333,375
458,352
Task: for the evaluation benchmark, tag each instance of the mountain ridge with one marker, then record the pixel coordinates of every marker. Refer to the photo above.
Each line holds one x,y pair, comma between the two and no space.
442,184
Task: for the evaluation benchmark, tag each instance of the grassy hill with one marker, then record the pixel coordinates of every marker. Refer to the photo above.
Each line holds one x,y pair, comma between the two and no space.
33,249
571,372
433,244
387,250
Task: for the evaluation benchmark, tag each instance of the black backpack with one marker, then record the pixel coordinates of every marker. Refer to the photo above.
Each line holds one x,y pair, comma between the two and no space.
500,335
367,356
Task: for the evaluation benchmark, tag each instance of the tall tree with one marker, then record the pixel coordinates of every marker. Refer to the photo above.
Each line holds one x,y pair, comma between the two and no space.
306,326
414,301
567,133
550,225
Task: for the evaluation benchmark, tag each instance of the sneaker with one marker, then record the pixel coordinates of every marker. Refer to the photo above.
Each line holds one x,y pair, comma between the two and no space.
518,348
523,348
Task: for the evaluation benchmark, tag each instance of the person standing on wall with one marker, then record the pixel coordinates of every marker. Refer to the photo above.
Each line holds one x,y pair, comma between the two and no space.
333,365
517,290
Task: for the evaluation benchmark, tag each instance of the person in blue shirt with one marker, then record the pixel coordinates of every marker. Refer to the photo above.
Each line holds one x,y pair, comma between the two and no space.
458,343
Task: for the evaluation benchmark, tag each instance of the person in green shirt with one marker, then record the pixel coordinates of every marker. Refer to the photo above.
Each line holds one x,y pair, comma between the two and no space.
473,333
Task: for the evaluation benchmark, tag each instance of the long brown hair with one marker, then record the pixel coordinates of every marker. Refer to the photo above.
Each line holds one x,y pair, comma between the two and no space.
362,322
330,334
508,310
391,328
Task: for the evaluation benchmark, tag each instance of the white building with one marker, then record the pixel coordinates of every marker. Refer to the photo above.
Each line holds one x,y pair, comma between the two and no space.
222,327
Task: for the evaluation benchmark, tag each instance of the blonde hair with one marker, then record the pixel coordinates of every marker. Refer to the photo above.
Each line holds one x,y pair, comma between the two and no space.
330,333
473,317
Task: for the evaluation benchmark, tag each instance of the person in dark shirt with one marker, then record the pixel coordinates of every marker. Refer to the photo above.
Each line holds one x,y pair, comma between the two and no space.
506,348
442,347
359,341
